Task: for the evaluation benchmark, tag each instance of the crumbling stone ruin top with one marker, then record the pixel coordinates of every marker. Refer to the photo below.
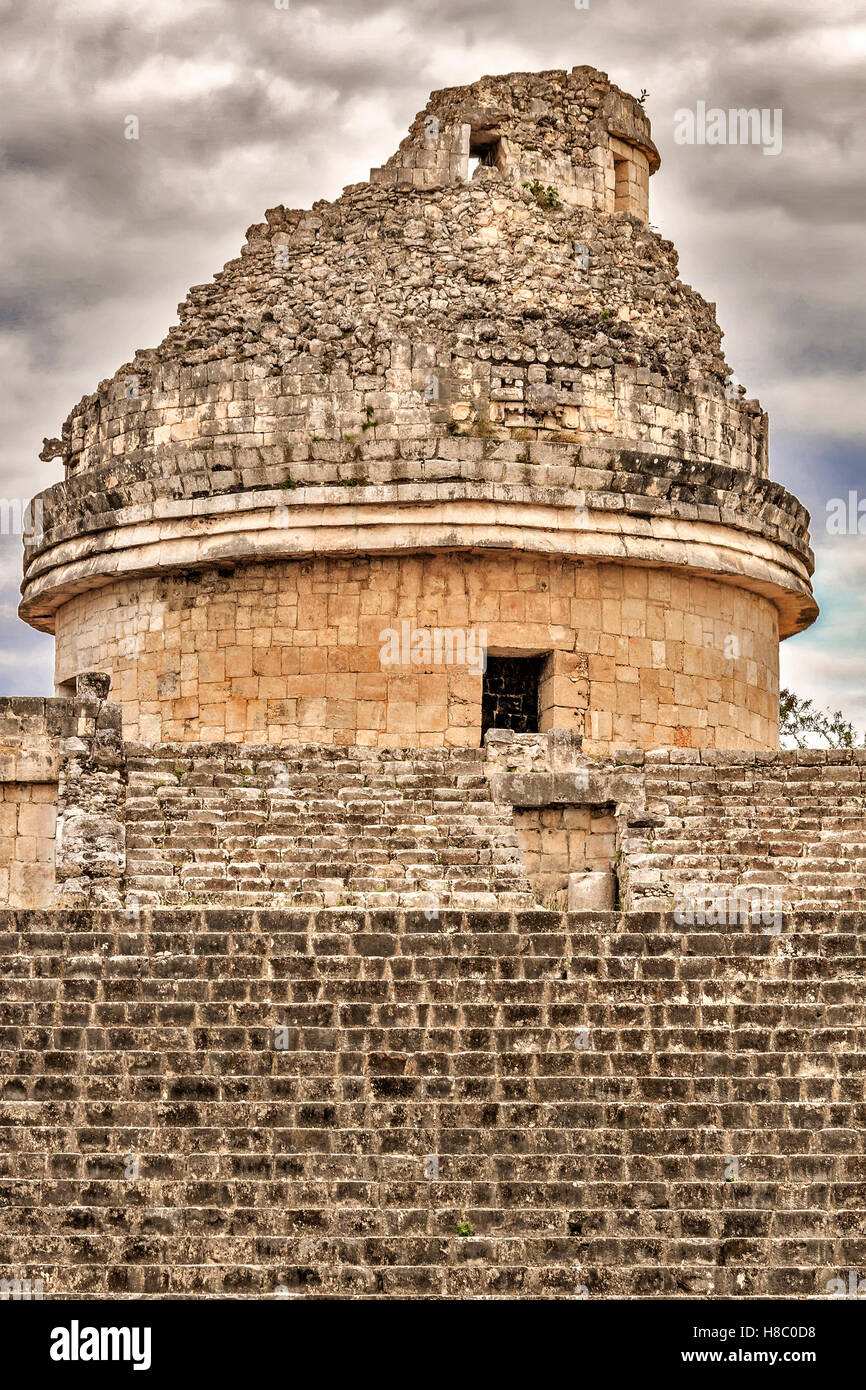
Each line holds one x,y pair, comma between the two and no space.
520,290
485,349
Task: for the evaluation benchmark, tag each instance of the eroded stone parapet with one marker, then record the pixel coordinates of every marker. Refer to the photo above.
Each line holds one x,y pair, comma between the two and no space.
46,747
91,851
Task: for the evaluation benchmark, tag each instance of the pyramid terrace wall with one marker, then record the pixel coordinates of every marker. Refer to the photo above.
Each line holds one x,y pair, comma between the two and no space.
315,1103
790,825
280,826
91,819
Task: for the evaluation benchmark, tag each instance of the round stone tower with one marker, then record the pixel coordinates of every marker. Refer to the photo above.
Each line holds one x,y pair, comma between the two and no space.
466,411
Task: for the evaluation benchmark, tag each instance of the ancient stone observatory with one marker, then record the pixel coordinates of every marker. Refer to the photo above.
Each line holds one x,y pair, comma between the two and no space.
469,397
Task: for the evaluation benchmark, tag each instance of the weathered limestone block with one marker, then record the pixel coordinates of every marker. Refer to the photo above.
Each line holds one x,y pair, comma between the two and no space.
30,734
587,785
592,892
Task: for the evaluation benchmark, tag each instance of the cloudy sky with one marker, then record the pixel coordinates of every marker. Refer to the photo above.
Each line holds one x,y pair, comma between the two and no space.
243,105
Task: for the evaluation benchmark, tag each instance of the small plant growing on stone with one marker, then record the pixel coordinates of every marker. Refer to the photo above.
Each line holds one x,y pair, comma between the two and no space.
483,427
643,96
547,197
318,439
369,423
464,1229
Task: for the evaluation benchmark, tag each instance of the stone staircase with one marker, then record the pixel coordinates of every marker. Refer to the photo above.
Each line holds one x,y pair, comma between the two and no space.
794,822
210,1104
319,826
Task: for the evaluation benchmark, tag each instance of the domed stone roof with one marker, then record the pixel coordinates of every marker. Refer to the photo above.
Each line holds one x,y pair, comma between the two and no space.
484,347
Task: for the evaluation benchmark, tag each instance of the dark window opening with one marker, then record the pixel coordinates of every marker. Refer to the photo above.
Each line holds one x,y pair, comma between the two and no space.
483,152
510,694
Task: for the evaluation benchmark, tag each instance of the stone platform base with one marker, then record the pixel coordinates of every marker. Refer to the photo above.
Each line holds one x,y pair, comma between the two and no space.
250,1104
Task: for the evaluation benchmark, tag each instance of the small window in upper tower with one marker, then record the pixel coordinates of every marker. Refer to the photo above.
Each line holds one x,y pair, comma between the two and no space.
484,153
622,181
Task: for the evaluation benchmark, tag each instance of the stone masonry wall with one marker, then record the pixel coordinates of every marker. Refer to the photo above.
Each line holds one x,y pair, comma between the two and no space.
224,824
290,652
575,131
28,826
202,1104
790,825
278,827
558,841
722,833
62,798
30,730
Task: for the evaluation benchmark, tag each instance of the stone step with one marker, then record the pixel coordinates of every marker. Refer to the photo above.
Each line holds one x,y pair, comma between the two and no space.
320,829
